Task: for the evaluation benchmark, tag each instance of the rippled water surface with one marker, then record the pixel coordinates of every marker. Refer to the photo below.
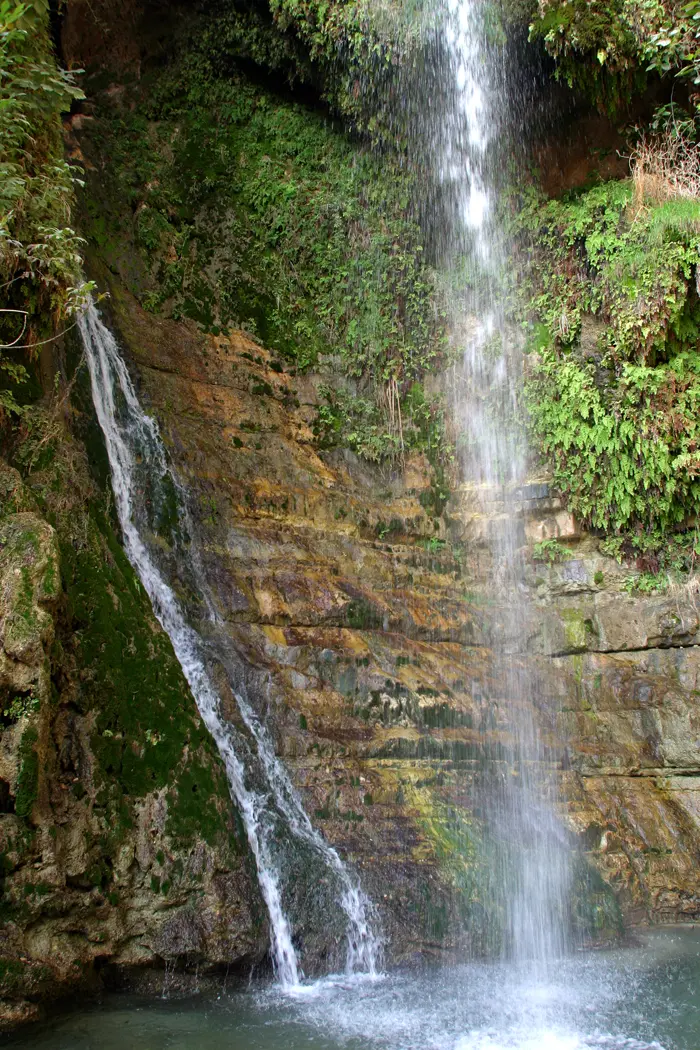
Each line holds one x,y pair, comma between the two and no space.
633,999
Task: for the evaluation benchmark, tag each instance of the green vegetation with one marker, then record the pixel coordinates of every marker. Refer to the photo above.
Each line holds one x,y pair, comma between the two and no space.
655,551
316,253
333,46
110,661
550,551
148,734
384,426
363,616
594,911
28,779
608,49
614,315
19,707
612,287
253,211
40,260
432,545
647,583
597,44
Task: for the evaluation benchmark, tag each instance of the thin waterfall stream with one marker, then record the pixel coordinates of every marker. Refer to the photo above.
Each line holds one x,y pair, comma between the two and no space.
139,466
520,800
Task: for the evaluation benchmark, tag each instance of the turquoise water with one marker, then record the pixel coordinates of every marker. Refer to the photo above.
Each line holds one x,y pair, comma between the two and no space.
637,998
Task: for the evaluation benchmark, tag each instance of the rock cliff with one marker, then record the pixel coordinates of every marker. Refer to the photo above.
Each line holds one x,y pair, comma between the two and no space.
372,633
118,842
356,594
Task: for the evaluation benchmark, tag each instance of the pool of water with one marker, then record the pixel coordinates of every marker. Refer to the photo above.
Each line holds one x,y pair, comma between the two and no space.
644,997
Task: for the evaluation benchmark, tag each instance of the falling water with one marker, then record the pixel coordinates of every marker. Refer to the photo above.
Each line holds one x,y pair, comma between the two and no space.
469,143
269,805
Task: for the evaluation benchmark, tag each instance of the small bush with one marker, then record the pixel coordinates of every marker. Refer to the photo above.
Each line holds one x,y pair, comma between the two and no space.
614,380
550,551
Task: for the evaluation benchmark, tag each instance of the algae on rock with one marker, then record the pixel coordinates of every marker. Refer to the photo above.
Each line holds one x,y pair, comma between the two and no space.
115,807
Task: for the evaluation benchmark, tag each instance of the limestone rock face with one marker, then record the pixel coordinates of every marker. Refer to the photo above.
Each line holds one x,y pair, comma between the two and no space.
367,630
339,594
625,668
369,644
103,860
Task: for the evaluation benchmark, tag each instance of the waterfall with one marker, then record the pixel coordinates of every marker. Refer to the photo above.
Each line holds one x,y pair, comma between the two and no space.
260,786
520,800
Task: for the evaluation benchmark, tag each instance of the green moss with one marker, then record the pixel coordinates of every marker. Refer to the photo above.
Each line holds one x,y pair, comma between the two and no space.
196,802
148,734
575,629
50,581
466,857
361,615
595,911
311,216
12,976
28,779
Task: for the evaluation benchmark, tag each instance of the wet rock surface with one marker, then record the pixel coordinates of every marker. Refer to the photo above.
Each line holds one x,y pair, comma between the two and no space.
104,861
367,628
371,645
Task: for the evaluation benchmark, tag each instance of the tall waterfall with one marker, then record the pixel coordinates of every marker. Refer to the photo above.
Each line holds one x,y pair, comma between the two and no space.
520,800
271,809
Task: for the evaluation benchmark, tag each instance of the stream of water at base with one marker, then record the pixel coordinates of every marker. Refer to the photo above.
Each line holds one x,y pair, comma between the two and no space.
638,998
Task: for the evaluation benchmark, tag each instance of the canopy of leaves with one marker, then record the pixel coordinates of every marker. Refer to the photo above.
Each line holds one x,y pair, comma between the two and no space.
607,48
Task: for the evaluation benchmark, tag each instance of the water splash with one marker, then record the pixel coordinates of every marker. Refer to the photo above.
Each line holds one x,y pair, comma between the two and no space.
269,805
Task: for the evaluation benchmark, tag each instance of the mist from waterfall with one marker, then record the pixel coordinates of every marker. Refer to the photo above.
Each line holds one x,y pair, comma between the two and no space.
275,820
470,142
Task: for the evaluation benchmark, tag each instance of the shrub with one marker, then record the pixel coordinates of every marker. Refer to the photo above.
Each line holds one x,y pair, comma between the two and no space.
40,260
614,379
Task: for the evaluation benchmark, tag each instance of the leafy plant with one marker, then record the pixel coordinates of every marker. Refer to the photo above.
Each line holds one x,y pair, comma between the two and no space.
655,550
550,551
40,254
432,545
596,45
19,706
647,583
614,386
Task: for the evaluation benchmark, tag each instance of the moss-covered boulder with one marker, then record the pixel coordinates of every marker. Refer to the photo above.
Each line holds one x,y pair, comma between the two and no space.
115,815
